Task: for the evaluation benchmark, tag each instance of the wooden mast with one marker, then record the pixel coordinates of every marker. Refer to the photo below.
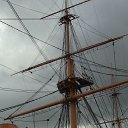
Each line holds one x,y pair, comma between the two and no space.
116,109
70,71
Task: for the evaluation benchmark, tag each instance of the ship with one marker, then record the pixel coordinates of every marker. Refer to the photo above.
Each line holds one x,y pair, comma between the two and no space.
76,80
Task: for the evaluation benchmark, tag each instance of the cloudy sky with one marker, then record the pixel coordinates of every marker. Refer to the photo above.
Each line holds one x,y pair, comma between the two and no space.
108,18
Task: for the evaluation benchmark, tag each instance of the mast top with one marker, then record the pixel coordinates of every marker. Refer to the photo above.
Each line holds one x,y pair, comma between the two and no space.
67,17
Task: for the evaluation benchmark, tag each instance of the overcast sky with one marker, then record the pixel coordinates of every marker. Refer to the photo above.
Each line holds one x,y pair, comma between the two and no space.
18,52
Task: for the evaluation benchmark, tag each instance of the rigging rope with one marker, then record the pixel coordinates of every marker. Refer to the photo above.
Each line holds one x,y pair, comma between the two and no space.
27,8
29,100
15,106
29,34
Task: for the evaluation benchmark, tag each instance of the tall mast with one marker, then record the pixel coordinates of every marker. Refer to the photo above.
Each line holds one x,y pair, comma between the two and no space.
116,109
70,71
116,102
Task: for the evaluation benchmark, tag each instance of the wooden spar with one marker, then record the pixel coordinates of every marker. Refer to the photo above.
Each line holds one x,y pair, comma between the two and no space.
112,121
73,53
65,9
64,100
